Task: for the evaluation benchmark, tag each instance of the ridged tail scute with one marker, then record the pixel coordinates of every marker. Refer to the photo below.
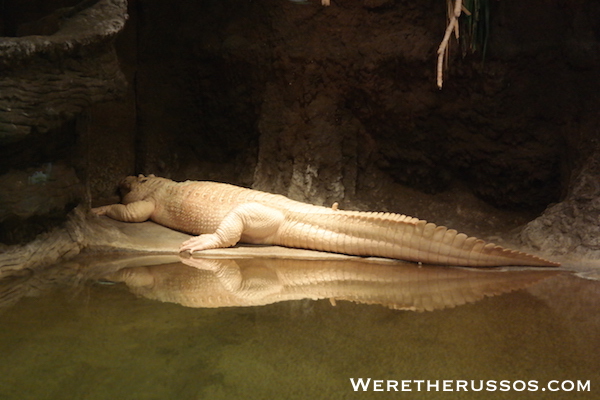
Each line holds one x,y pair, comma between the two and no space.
396,236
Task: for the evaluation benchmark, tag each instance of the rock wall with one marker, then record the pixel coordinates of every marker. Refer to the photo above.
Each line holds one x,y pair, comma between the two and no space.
53,67
320,102
64,63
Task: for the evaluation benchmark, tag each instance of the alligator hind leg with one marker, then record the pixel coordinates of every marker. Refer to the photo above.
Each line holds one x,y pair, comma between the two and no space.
251,222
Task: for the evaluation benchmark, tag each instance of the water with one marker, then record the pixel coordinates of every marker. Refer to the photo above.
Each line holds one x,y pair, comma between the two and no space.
75,332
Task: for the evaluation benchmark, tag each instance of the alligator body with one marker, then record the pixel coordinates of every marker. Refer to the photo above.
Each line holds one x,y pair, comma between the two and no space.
223,215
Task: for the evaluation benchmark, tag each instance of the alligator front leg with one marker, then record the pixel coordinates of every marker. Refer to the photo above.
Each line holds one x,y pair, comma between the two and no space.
138,211
252,222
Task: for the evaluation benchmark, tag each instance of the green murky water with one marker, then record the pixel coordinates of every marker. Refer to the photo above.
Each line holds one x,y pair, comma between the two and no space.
100,341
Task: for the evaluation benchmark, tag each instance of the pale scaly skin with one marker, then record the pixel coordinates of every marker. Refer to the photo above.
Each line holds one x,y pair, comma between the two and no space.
256,281
224,215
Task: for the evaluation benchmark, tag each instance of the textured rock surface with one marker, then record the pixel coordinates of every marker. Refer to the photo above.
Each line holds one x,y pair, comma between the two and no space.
572,227
50,78
35,200
59,60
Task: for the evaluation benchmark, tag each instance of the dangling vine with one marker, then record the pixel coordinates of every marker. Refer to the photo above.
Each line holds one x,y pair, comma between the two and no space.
475,26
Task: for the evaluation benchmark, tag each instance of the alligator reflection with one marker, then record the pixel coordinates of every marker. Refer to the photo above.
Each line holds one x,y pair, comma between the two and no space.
253,282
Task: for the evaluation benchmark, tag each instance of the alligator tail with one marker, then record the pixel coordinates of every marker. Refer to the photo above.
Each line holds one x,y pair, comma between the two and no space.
396,236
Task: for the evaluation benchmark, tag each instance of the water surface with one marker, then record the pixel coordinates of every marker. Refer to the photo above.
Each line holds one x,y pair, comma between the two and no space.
74,335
